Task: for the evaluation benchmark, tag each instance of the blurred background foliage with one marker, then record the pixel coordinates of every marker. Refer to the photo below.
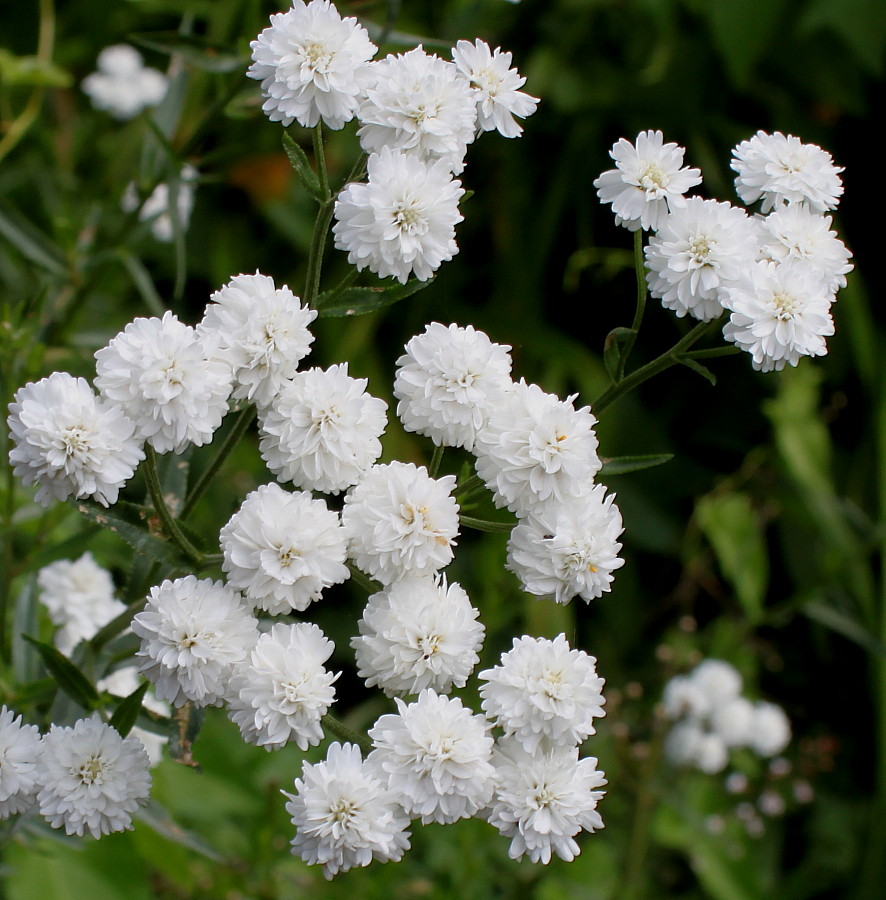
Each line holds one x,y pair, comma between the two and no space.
761,542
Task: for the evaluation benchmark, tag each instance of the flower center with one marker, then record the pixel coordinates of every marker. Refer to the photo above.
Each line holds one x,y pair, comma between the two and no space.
429,645
653,180
76,440
408,217
316,55
700,250
543,796
92,771
785,306
487,80
342,810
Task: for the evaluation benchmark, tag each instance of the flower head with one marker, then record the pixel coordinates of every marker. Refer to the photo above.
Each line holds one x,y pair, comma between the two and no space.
123,86
770,730
19,750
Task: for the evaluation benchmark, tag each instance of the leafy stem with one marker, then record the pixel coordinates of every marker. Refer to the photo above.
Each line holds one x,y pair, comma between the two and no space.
170,526
340,730
640,269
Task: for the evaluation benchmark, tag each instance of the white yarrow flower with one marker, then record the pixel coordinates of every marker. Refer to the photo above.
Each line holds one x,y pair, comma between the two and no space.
435,753
344,814
770,730
282,550
123,86
91,779
692,743
19,749
448,381
69,442
163,377
309,62
648,181
732,721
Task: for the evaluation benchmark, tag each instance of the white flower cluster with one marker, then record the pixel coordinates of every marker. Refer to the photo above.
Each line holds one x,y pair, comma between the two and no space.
123,86
417,114
712,717
776,274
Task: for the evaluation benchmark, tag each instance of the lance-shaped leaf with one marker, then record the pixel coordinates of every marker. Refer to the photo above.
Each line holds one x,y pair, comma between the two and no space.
621,465
357,301
613,349
306,175
197,51
126,714
68,677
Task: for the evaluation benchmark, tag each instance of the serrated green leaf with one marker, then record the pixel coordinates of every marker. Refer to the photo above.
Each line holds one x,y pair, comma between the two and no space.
68,677
358,301
197,51
697,367
298,159
621,465
613,348
126,714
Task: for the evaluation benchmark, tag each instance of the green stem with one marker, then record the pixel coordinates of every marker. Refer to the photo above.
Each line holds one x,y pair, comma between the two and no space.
170,526
436,459
321,225
468,486
367,583
486,525
640,269
241,424
320,157
340,730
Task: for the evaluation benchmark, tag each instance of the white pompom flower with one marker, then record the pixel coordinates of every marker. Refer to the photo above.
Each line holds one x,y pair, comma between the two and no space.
322,430
344,813
261,331
19,749
448,381
718,681
123,86
770,730
283,690
496,87
282,549
569,548
436,755
782,169
648,181
732,721
543,800
418,633
544,691
162,375
401,222
194,633
70,443
309,62
401,522
91,779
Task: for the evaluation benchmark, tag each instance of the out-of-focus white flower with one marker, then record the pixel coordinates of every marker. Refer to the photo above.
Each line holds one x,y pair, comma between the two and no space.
79,597
570,548
544,690
496,87
699,251
282,550
309,62
166,381
542,800
779,312
418,103
436,755
69,442
344,813
282,691
402,220
401,522
782,169
447,382
123,86
718,681
418,633
322,430
260,331
90,778
647,182
691,743
177,195
194,633
19,750
683,697
732,721
770,729
121,683
536,449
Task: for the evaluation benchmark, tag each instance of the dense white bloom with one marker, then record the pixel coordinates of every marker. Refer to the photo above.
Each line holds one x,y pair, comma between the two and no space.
91,779
495,86
123,86
157,209
418,103
447,382
79,597
543,689
782,169
402,220
322,430
194,632
770,730
19,749
260,331
779,312
568,548
647,181
401,522
732,721
796,232
162,375
536,448
69,442
436,755
543,800
309,63
121,683
418,633
718,681
282,550
700,250
282,691
344,814
690,743
684,698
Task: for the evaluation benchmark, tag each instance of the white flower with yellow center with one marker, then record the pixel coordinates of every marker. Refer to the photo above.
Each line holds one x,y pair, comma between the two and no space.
19,749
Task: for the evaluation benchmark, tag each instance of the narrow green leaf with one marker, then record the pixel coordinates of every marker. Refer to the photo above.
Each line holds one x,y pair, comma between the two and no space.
197,51
357,301
69,678
621,465
32,244
306,175
696,366
841,623
143,283
613,348
126,714
156,816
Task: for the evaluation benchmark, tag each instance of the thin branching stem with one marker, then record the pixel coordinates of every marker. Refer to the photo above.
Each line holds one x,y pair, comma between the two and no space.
170,526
